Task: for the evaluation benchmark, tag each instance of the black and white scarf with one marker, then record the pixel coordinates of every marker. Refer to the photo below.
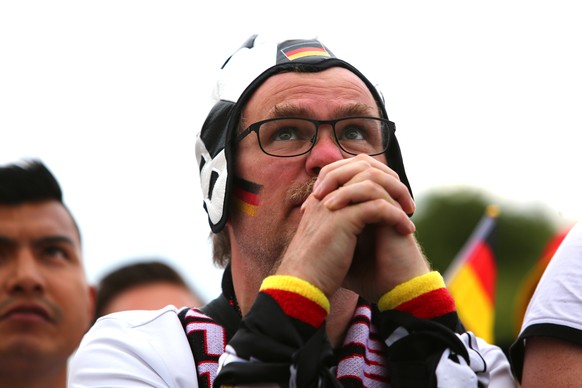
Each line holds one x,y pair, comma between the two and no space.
360,362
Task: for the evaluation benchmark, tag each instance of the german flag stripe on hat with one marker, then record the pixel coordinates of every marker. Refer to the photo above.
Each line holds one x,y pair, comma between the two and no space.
293,50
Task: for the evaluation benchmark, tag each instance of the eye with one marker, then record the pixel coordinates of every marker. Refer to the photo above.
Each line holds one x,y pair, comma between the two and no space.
285,133
353,132
286,130
54,252
7,250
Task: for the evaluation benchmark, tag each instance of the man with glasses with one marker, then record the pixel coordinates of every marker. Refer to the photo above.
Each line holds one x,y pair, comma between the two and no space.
324,282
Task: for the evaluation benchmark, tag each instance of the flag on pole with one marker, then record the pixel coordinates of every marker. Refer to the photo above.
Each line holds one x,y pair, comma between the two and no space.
471,278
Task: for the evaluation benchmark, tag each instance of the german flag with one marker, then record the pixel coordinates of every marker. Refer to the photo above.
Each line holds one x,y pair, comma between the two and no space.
471,278
246,196
302,49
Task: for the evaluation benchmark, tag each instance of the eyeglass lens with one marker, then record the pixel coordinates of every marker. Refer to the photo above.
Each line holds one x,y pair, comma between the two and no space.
289,137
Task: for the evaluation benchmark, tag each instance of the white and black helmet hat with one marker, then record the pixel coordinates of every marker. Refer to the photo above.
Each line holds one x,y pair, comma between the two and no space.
242,73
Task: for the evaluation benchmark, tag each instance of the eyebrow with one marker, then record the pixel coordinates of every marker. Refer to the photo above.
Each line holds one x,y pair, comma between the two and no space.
55,240
288,110
356,109
58,239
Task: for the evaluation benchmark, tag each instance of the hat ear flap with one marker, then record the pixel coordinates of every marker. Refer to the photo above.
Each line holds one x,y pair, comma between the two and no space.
395,162
213,155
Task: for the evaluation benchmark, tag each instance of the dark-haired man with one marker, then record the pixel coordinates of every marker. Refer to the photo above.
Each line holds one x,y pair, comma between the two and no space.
46,303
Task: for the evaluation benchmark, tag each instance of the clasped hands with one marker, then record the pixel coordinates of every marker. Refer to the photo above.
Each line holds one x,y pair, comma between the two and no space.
355,231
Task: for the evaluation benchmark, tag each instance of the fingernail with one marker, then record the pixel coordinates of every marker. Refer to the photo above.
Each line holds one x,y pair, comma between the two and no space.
412,226
330,202
316,187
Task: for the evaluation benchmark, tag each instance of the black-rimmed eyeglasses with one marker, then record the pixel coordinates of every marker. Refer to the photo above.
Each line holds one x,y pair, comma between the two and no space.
294,136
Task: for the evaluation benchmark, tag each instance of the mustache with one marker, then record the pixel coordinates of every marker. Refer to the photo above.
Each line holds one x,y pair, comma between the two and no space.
299,193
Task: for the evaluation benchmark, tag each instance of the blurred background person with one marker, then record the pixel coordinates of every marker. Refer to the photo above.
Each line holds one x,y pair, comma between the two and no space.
143,285
46,303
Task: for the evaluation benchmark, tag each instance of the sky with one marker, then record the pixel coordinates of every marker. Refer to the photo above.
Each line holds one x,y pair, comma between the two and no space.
110,95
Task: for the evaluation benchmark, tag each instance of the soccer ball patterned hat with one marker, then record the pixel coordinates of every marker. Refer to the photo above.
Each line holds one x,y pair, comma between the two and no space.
242,73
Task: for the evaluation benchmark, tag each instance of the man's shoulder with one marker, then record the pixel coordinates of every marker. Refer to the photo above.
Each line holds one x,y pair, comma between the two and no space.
141,318
140,328
149,346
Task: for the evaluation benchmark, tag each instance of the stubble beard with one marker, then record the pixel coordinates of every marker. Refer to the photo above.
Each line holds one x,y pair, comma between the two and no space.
265,248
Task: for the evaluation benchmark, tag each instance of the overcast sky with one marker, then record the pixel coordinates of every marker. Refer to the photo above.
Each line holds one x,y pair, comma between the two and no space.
110,95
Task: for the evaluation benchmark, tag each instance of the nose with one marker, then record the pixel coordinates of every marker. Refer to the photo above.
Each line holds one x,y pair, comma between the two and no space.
325,151
24,274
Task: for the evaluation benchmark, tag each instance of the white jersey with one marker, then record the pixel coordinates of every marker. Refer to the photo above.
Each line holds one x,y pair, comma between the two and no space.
150,348
135,349
555,309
